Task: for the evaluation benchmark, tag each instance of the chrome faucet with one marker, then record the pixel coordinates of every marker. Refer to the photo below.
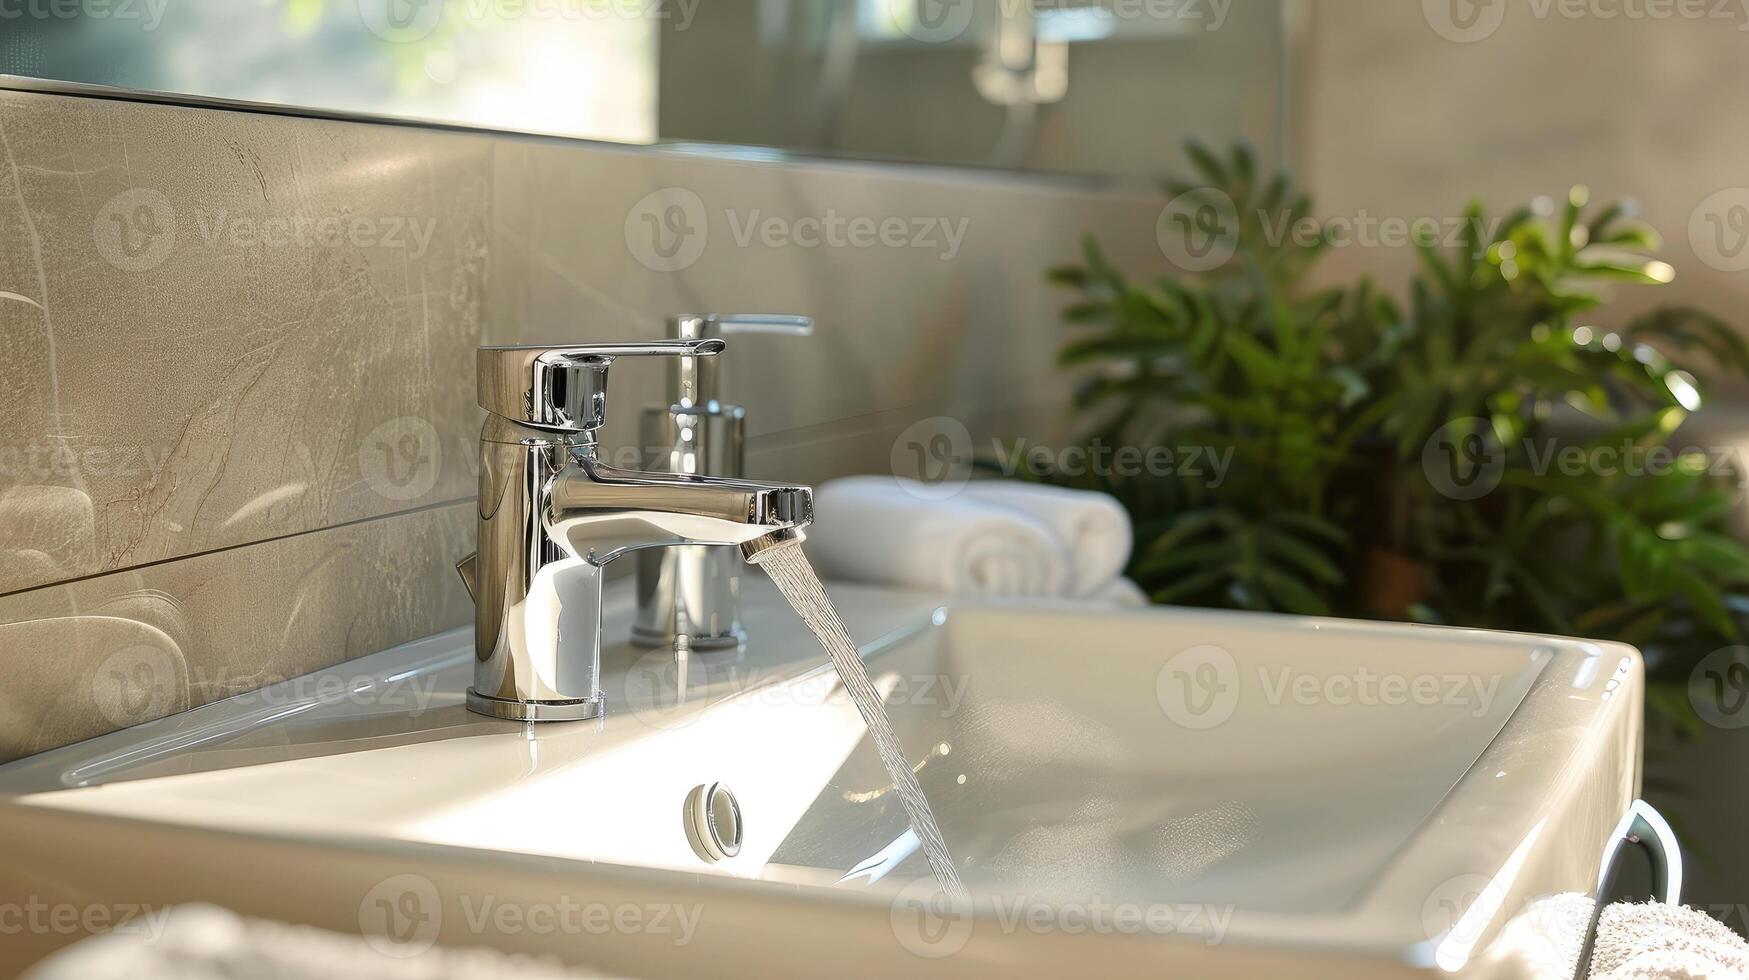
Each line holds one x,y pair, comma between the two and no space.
552,514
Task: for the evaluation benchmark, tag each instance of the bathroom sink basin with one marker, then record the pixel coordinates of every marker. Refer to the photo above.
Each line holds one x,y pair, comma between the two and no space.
1392,794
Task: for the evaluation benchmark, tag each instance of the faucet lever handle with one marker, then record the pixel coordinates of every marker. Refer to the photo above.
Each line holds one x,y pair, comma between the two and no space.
564,388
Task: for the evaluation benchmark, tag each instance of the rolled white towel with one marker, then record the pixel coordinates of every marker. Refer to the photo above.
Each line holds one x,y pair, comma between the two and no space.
1121,593
1093,526
873,529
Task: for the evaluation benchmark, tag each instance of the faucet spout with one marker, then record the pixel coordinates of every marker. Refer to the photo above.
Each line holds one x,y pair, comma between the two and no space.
598,512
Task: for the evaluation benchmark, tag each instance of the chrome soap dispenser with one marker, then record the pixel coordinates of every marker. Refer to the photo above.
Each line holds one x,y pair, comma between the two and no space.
689,596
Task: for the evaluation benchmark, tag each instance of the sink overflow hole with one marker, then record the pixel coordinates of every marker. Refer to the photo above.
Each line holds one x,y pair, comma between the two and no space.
713,822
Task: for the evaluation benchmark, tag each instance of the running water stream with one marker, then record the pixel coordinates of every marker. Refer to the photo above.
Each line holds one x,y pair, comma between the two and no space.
789,568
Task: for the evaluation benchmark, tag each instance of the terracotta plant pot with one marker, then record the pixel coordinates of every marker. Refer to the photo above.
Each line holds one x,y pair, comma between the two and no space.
1392,583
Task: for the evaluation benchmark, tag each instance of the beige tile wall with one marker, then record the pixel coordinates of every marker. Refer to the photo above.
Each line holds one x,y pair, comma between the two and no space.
1404,115
237,437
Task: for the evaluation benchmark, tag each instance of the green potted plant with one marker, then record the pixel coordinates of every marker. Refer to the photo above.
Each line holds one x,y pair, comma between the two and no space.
1482,453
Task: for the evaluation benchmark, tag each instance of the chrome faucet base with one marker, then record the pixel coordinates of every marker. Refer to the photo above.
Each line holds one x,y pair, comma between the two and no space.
535,710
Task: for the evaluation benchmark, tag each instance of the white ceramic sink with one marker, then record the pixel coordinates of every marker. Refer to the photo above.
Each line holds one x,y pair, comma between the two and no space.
1396,794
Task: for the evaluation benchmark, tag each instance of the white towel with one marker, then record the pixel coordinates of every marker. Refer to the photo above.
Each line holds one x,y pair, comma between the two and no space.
1121,593
1665,942
882,530
210,943
1094,526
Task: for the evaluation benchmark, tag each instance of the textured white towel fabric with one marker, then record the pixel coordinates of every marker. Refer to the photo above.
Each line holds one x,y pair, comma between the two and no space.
204,942
1121,593
1665,942
1095,528
878,529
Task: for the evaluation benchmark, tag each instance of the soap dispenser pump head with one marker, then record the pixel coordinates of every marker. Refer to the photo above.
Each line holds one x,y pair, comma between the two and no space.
693,383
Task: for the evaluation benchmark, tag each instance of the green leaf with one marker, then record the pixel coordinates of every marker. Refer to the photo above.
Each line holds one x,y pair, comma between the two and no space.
1190,585
1206,164
1292,594
1309,559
